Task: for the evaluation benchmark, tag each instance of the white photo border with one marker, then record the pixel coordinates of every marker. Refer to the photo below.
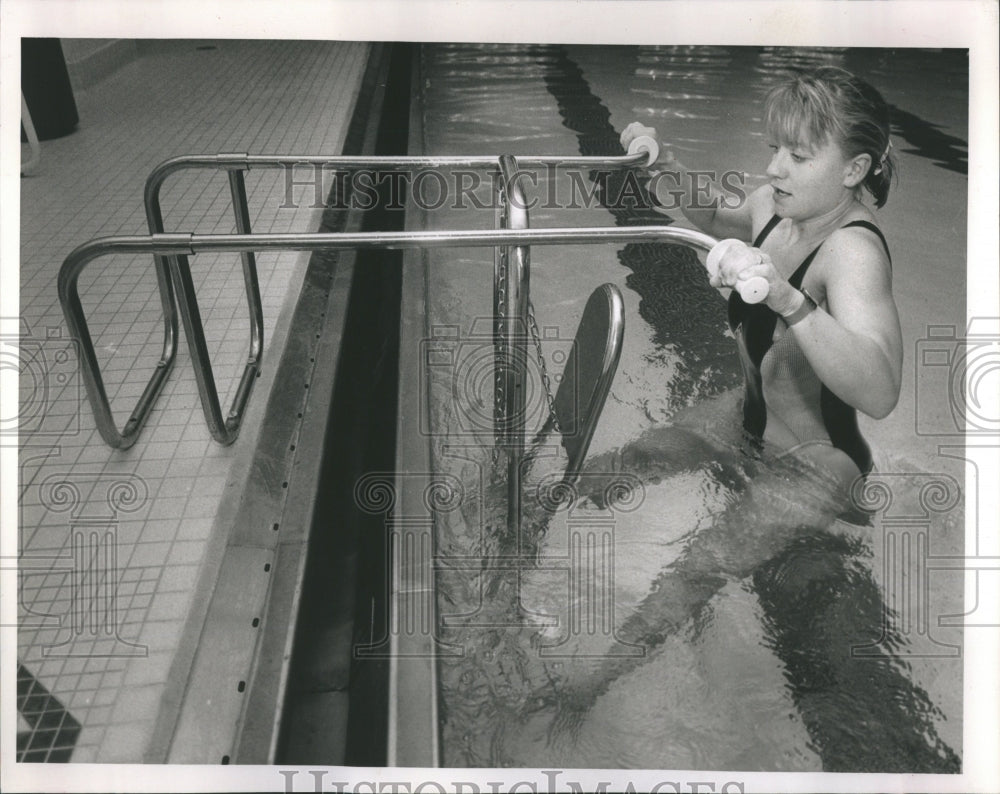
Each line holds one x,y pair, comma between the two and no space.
967,24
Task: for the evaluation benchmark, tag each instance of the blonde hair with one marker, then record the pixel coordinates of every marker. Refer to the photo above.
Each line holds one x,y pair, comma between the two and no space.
831,103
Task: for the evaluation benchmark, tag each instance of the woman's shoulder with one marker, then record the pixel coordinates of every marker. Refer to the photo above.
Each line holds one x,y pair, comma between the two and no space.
856,251
861,235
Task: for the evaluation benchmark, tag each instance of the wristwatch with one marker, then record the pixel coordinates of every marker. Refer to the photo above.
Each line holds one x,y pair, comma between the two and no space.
806,307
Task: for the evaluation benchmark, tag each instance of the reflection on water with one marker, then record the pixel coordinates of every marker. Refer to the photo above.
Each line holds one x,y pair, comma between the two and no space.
820,601
690,605
686,315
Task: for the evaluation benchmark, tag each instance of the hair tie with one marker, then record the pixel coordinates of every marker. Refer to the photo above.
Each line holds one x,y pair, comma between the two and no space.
883,158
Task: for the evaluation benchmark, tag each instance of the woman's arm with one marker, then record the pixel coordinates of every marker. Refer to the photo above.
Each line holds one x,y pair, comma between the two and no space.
714,211
855,346
698,194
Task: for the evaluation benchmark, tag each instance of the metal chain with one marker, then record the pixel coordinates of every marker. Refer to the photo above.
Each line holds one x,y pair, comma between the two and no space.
533,325
499,375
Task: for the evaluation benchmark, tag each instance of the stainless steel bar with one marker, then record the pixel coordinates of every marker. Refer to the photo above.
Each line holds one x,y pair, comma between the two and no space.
180,271
105,423
242,211
454,161
245,161
93,381
186,243
515,343
238,162
175,248
223,430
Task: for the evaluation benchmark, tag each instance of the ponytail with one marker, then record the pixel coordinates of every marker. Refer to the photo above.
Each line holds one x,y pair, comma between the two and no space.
880,175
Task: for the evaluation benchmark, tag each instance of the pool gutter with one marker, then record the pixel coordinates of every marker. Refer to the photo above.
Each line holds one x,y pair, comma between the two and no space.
413,739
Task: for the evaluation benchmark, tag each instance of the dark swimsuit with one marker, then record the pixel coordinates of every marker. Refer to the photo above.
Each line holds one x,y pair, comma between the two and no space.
753,325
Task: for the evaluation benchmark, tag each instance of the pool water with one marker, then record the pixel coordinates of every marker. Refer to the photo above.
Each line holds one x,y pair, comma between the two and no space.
695,605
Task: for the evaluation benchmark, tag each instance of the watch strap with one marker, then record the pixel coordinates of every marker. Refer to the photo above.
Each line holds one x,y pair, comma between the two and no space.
807,306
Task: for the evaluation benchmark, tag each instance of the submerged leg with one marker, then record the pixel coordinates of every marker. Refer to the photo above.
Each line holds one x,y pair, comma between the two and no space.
781,504
659,452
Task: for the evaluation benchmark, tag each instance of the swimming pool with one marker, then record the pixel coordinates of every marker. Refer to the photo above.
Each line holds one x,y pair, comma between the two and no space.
577,644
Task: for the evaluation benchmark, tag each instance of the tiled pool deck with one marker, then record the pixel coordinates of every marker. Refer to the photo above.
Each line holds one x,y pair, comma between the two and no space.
113,542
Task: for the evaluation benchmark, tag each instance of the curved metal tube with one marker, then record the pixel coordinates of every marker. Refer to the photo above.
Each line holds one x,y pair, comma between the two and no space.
243,161
186,243
223,429
236,163
512,361
32,136
177,247
400,163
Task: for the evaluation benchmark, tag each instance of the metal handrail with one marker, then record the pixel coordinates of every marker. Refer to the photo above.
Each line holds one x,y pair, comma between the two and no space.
512,330
244,162
32,136
225,430
189,243
176,247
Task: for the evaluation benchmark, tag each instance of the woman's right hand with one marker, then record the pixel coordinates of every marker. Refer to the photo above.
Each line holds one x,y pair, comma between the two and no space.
637,129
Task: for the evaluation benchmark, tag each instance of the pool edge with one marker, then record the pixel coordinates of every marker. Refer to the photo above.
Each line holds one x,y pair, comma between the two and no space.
413,739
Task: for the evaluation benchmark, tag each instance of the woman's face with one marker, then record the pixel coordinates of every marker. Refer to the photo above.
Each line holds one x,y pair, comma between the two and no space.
809,180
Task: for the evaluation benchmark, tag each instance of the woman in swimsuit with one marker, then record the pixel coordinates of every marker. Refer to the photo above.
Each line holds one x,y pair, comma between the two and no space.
827,340
824,345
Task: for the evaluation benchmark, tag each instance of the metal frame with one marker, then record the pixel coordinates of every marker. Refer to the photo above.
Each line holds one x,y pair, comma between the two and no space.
174,249
174,276
32,136
512,283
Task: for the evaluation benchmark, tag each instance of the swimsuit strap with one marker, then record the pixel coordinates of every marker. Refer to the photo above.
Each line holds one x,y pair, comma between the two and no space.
800,272
872,227
775,220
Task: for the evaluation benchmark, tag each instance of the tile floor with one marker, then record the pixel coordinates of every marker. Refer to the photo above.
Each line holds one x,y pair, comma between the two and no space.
111,542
